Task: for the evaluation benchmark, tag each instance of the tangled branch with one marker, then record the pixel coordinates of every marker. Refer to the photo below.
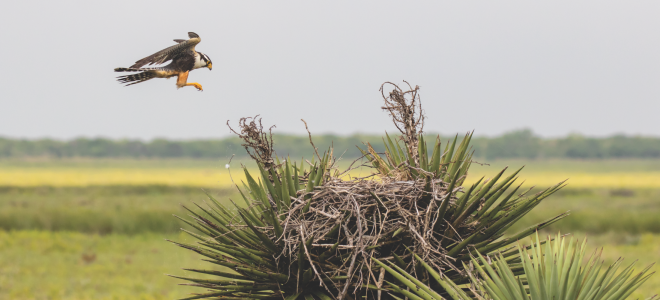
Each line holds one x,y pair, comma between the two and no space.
405,108
257,143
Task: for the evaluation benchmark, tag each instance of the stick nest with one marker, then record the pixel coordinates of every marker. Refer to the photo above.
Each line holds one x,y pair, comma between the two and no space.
374,219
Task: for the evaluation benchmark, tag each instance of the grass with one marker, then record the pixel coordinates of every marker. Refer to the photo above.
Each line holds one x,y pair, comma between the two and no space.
95,229
141,209
600,211
134,207
100,209
67,265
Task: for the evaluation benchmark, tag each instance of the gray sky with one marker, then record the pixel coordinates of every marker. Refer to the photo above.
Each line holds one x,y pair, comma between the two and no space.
553,66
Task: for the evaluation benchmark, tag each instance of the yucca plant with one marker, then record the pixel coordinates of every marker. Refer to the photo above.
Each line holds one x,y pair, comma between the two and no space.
551,271
305,233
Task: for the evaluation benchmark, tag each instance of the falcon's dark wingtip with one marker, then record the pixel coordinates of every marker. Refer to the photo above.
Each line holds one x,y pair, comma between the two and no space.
192,35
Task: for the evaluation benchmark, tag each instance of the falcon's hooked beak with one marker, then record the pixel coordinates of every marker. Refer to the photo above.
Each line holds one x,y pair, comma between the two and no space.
209,66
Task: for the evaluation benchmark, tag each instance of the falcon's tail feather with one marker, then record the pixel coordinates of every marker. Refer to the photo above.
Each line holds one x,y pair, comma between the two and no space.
134,78
135,69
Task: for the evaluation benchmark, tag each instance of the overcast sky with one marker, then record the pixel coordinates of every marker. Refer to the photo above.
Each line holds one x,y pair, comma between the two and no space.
556,67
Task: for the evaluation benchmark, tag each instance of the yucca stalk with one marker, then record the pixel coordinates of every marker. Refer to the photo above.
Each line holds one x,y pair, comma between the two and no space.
305,233
551,271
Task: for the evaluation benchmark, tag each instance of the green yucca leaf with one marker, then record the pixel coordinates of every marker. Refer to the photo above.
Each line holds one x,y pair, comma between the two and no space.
462,201
475,201
247,200
257,190
422,154
318,178
321,295
245,280
328,253
271,187
393,160
281,278
399,261
262,237
296,178
458,158
221,210
289,178
398,231
558,276
193,225
251,215
402,153
378,162
448,286
445,203
333,231
447,156
230,252
435,157
408,294
491,214
222,233
496,192
217,294
284,188
197,236
310,186
463,172
393,152
418,284
277,186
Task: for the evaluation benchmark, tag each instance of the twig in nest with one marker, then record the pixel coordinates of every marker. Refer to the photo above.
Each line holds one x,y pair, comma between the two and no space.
407,115
311,142
257,143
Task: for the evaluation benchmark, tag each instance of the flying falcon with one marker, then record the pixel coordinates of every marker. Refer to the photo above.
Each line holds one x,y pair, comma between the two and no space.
184,59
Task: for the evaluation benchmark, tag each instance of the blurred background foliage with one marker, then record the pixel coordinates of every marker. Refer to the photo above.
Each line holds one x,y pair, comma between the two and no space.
516,144
87,218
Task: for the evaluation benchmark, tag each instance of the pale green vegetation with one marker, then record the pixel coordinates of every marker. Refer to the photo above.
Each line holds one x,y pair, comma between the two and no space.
130,257
69,265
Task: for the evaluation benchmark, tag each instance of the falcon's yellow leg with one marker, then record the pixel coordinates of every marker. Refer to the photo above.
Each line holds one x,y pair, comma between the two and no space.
182,79
196,85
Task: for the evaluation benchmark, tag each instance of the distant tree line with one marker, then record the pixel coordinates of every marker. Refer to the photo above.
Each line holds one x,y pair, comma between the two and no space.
516,144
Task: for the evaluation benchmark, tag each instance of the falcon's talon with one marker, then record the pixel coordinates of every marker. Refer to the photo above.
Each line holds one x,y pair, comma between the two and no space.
184,59
196,85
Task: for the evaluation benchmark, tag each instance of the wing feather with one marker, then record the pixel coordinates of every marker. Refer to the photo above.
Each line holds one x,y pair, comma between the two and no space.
169,52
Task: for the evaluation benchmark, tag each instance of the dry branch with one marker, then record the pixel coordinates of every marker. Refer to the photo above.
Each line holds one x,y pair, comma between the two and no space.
257,143
405,108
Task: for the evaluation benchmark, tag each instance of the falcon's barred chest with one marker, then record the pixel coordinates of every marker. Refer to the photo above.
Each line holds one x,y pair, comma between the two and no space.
183,58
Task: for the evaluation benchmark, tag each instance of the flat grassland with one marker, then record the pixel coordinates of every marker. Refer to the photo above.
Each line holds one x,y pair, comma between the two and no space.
96,229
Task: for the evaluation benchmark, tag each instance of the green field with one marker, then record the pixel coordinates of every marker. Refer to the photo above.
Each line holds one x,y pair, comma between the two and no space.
108,241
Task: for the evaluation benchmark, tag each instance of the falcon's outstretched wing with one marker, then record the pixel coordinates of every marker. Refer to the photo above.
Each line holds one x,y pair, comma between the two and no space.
170,52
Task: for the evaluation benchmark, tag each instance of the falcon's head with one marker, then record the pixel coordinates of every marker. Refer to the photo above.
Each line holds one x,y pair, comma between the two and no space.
205,60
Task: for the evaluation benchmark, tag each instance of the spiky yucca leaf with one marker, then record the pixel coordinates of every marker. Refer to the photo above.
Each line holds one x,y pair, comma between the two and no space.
245,241
481,213
551,271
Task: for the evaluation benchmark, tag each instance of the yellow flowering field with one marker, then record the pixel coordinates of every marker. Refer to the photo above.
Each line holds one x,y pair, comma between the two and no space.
220,177
113,176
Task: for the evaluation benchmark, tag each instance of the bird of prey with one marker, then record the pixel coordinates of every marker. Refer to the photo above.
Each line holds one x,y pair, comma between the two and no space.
184,59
